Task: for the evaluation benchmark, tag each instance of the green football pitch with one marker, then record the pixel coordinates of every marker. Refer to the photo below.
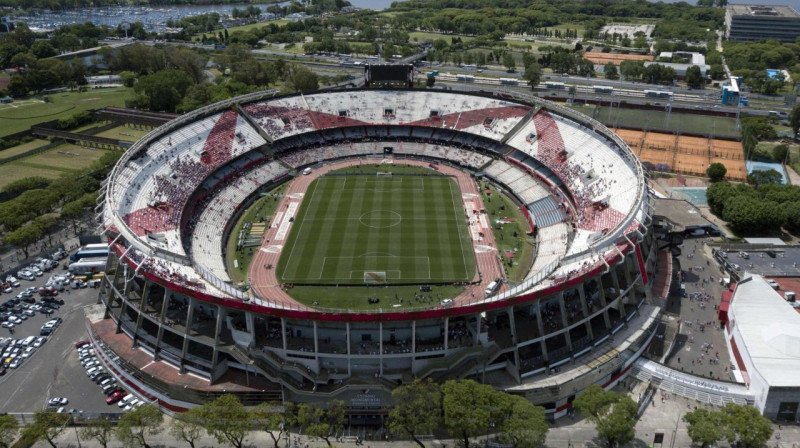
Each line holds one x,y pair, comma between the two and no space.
379,229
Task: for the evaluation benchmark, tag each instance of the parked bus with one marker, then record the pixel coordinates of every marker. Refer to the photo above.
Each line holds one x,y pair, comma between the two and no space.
603,89
85,265
88,253
509,81
555,85
658,94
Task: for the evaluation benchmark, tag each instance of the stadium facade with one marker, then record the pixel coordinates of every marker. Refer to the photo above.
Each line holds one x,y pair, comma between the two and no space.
171,324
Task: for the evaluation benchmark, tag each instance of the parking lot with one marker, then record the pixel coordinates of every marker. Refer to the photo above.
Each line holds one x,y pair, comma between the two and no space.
54,370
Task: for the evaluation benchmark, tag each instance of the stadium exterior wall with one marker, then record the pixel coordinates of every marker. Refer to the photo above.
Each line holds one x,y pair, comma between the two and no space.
515,343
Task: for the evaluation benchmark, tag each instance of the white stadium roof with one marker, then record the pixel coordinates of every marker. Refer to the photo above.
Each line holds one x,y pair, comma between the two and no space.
770,329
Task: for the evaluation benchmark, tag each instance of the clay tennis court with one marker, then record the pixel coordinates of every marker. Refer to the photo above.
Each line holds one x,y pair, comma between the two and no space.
686,154
604,58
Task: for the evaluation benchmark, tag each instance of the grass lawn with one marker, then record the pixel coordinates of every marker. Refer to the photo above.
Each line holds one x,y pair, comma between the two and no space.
657,119
422,36
12,172
500,207
364,229
21,115
19,149
124,133
247,27
263,209
64,158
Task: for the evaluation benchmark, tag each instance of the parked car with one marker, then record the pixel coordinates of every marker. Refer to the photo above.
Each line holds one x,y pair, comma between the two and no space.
83,343
57,401
115,397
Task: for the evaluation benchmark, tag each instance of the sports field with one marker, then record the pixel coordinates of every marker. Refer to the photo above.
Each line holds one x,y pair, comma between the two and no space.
368,229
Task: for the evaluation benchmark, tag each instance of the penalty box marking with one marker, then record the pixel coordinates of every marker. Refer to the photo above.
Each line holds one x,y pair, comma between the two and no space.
350,276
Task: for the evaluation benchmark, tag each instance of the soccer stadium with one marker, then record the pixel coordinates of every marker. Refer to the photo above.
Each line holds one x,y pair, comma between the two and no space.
378,262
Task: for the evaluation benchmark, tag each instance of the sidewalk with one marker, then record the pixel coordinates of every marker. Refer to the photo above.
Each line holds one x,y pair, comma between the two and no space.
661,418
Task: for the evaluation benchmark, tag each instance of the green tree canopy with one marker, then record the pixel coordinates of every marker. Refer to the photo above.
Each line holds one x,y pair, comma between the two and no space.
272,417
614,415
524,425
100,430
469,407
764,177
137,424
794,119
163,90
47,425
227,420
321,421
610,71
417,409
705,427
8,430
716,171
747,425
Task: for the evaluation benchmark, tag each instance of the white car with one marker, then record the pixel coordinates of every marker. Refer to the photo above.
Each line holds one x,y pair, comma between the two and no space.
8,290
14,320
16,362
57,402
28,352
39,341
7,325
130,405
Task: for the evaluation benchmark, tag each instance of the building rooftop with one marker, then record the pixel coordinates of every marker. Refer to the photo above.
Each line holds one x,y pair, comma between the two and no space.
770,330
681,213
782,11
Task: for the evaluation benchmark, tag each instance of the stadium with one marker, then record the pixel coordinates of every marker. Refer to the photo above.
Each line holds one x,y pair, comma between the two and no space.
379,263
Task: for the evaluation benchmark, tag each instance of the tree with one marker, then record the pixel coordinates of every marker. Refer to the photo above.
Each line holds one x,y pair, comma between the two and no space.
42,49
617,428
705,427
46,223
321,422
694,77
23,237
613,415
764,177
716,171
47,425
128,78
430,81
417,409
100,430
533,74
9,428
272,417
134,426
227,420
747,425
468,409
610,71
303,79
780,153
792,210
163,90
525,425
187,426
794,120
508,62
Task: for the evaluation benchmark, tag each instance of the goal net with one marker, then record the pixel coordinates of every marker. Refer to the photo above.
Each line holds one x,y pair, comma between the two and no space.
375,277
381,173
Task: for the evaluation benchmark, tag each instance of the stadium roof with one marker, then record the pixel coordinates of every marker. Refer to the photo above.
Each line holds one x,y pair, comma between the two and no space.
770,330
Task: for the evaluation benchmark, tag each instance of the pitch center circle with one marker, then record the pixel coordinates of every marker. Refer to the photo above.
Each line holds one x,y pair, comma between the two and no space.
380,219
